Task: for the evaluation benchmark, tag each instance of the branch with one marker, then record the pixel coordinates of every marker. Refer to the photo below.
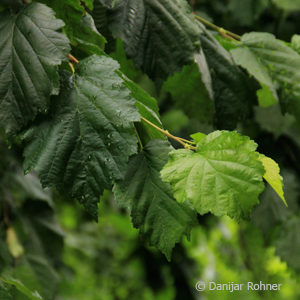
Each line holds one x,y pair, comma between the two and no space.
223,32
185,143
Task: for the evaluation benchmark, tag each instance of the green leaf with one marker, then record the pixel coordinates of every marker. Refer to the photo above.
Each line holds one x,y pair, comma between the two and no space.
272,175
197,137
154,211
288,5
30,51
245,13
295,42
126,65
15,4
160,36
233,92
288,243
223,176
86,143
148,109
80,27
271,212
271,62
266,97
33,295
189,93
6,291
276,123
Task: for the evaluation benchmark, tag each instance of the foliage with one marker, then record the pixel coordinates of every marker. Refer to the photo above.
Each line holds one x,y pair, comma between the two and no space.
86,89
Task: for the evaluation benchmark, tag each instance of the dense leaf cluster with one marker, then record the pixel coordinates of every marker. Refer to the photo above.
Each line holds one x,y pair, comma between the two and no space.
84,124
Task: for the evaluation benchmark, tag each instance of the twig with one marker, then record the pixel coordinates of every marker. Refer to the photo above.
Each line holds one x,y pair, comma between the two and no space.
225,33
171,136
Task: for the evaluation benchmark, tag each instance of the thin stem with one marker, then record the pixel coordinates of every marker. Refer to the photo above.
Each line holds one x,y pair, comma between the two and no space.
185,143
225,33
72,67
73,59
138,137
171,136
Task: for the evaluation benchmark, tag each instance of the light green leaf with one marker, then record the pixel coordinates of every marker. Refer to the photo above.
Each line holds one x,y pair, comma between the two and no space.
296,42
266,97
271,62
223,176
160,218
33,295
248,60
14,246
272,175
86,143
160,36
30,51
197,137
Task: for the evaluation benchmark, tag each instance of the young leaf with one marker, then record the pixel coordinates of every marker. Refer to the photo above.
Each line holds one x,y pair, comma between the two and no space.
30,51
86,143
160,218
223,176
160,36
197,137
272,175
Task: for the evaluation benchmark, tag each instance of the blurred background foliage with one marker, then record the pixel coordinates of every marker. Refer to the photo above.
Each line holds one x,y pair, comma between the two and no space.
73,258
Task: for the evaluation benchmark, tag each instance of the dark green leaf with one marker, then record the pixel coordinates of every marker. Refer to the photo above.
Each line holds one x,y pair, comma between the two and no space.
86,143
233,92
160,218
80,27
148,109
288,243
159,35
190,94
30,51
